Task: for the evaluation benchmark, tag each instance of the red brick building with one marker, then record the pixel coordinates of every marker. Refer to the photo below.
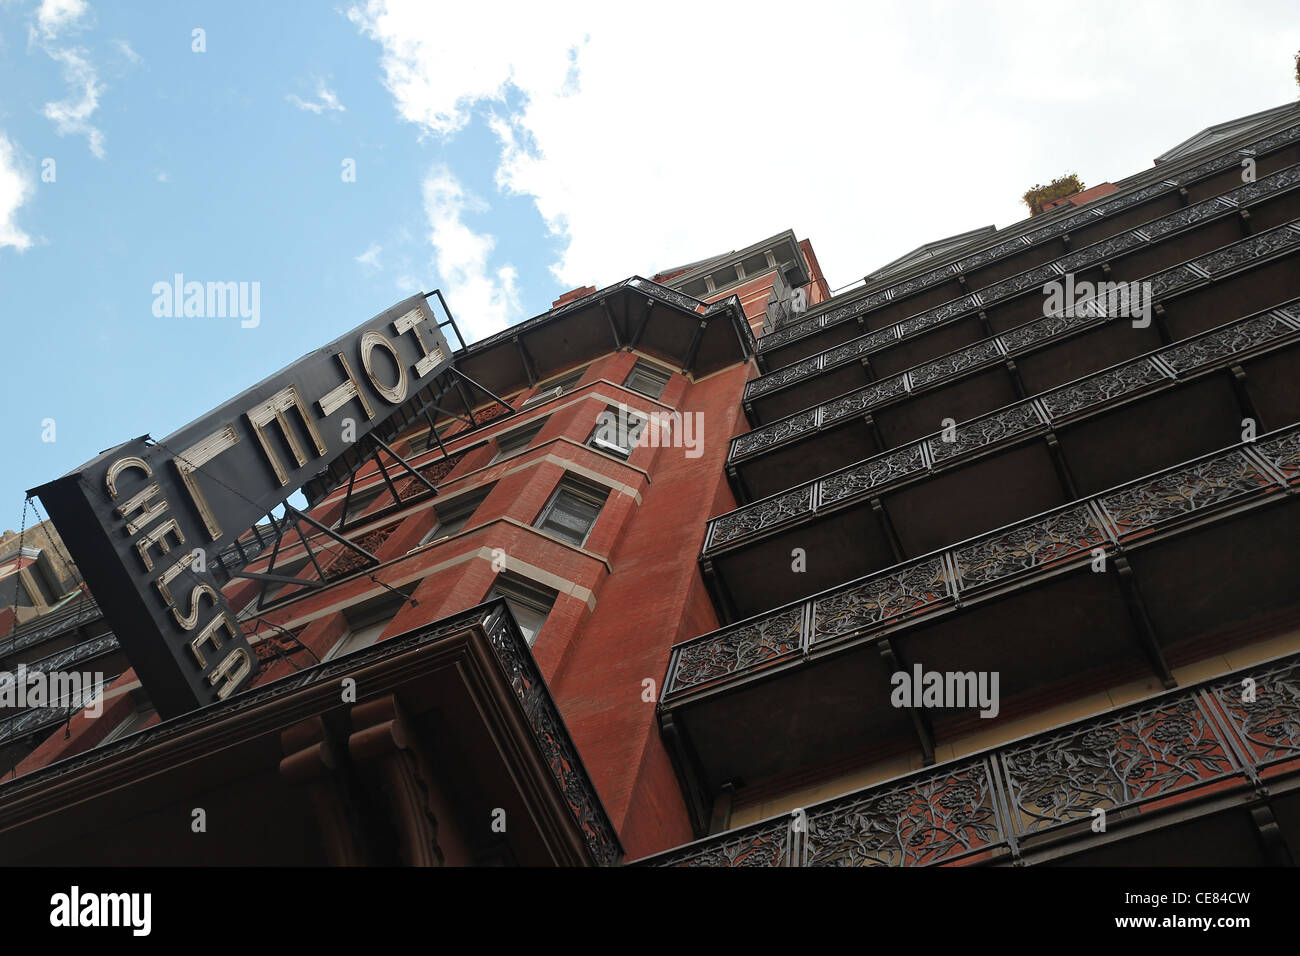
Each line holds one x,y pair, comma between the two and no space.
658,605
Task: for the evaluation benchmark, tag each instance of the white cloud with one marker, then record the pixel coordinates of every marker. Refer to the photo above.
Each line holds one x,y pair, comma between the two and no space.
326,101
53,16
15,189
370,258
127,51
486,300
72,115
646,142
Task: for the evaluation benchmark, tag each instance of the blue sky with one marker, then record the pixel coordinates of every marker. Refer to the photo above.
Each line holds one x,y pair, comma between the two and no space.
210,171
508,154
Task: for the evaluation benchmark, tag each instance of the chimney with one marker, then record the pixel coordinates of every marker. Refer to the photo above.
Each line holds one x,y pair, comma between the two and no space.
1085,196
572,294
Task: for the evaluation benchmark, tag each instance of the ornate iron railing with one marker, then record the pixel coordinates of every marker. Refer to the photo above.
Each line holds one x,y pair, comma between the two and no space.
646,287
1031,336
1014,244
1225,729
81,611
1095,394
51,714
1119,519
1193,216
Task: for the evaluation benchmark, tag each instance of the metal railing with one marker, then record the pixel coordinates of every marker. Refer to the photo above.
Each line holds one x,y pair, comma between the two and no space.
1112,522
1172,746
1201,271
1189,217
1095,394
1019,243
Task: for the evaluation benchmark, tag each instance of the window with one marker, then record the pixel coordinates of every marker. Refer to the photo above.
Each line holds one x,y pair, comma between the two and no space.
617,431
543,396
572,511
648,379
293,568
512,443
420,443
556,387
366,622
528,602
455,514
568,381
360,501
133,722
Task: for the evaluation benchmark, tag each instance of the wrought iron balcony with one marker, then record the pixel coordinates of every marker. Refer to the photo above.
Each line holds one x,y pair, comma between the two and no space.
850,355
1113,523
35,718
700,336
1016,244
1198,273
401,664
1041,415
80,612
1003,804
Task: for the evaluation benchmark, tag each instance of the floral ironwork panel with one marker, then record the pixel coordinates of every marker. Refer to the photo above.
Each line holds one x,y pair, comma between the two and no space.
985,431
863,398
736,649
774,433
1168,280
881,599
1265,711
1121,759
1283,453
954,362
1026,547
873,473
1223,343
1102,387
922,821
553,740
754,518
1247,250
764,844
783,376
1177,494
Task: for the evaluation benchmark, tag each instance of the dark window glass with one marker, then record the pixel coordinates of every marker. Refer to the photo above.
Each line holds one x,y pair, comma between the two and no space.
455,514
512,443
617,431
647,379
572,511
529,603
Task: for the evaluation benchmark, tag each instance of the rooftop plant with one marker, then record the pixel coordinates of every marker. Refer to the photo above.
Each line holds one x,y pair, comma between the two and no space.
1061,186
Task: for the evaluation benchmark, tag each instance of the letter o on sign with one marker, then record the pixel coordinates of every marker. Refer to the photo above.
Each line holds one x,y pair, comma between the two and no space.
395,394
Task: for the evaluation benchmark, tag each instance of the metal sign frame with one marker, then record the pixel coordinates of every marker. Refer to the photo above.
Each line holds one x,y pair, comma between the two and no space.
146,521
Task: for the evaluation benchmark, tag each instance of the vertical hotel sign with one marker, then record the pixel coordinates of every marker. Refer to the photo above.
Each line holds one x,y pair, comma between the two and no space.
134,516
